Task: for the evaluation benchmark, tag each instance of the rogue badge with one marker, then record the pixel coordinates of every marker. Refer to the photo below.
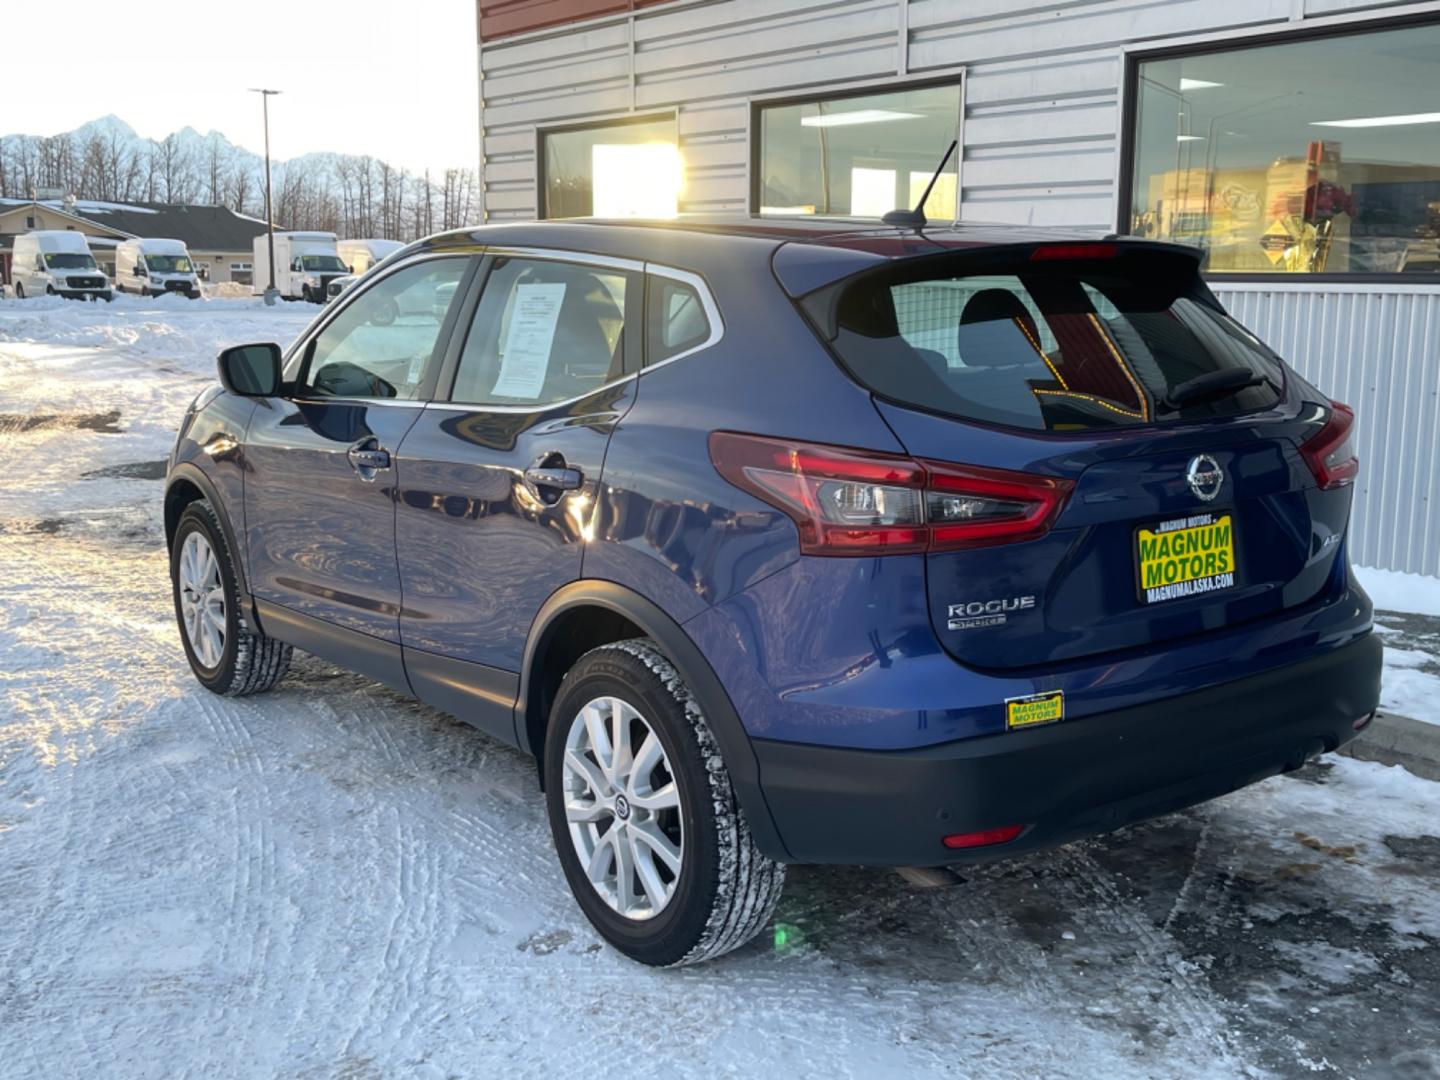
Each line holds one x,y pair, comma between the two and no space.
978,613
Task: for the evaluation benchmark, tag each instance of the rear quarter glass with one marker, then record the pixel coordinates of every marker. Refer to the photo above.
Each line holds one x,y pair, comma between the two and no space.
1055,345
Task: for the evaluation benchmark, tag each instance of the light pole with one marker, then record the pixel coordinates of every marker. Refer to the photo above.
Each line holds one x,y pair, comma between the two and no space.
265,95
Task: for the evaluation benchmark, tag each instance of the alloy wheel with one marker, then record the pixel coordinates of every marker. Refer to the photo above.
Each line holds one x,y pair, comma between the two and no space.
622,807
202,599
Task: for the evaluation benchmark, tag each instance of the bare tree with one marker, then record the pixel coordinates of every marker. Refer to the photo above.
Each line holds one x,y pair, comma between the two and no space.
352,196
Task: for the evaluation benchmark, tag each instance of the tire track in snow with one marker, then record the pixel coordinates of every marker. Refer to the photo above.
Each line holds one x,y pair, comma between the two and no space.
1189,1003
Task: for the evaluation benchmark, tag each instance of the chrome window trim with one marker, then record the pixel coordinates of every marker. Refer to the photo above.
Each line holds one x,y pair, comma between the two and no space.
506,251
694,280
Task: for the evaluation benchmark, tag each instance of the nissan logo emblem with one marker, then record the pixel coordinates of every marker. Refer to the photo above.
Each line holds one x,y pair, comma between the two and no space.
1204,477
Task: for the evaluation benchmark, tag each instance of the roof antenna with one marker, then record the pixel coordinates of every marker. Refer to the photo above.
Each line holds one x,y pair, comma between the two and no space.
916,219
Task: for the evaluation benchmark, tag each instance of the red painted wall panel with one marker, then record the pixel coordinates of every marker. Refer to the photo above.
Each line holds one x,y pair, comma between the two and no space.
503,18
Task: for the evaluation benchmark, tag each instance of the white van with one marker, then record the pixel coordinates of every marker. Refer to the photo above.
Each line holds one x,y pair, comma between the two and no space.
51,262
151,266
359,255
305,264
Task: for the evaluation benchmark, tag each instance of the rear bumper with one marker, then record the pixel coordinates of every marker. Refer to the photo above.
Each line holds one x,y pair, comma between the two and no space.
1072,779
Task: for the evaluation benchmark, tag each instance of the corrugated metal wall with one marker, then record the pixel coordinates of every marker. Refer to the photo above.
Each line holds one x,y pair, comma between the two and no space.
1042,100
1041,136
1377,348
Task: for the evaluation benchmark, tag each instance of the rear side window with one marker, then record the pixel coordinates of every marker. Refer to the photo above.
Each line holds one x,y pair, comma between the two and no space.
1055,345
676,319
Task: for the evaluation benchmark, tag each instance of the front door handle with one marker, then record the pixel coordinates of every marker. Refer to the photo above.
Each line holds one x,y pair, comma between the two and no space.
555,478
367,458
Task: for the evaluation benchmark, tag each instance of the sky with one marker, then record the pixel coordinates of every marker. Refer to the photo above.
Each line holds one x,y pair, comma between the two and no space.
395,80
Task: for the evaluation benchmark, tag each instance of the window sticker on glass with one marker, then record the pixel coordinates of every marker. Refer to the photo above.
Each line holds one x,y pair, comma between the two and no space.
527,345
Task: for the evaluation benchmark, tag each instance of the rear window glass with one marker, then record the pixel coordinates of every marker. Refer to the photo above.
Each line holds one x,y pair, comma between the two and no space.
1052,346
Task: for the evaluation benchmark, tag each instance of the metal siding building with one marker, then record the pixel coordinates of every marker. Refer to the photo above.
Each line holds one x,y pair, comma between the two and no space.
1042,131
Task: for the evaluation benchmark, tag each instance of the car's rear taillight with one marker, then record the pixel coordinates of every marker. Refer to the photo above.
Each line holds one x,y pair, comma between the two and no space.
1330,453
858,502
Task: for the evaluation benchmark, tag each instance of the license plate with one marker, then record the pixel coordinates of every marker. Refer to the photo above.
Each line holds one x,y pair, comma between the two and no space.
1186,556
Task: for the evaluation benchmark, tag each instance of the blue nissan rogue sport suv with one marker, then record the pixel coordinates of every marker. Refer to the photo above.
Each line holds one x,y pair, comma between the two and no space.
784,542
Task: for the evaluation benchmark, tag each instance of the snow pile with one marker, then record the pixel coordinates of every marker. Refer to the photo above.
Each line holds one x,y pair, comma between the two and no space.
188,333
229,290
1393,590
1407,614
1406,689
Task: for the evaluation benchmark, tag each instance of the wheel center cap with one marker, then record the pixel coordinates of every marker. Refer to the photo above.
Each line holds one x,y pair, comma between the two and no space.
622,807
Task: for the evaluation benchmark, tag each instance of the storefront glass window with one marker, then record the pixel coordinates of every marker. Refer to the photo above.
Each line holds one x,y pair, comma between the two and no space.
1315,156
618,170
859,156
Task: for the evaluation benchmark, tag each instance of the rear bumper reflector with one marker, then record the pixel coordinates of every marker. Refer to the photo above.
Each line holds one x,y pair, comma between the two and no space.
983,838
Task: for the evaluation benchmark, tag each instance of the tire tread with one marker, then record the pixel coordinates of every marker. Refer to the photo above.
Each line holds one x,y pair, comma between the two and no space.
260,660
749,884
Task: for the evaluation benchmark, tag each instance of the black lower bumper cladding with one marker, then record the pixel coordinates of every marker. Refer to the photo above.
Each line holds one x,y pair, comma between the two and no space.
1073,779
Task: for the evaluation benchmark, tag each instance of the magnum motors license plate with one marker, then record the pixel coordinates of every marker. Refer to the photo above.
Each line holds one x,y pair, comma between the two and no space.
1185,556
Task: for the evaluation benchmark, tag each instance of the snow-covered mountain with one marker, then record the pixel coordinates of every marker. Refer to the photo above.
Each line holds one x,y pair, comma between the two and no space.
187,144
107,160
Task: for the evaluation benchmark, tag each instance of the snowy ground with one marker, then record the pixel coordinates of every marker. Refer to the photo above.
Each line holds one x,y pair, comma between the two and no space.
332,881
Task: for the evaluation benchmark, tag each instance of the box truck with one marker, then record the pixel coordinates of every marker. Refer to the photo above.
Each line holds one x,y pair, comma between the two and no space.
152,266
52,262
359,255
305,262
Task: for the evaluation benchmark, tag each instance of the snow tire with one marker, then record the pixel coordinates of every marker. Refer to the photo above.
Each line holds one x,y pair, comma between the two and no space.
727,889
250,661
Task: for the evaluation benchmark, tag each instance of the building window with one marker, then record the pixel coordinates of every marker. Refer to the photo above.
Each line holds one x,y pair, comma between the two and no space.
628,169
1311,156
858,156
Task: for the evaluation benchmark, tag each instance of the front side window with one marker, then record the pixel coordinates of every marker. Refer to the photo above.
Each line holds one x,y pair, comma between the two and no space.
384,341
1051,347
859,156
1316,156
616,170
544,332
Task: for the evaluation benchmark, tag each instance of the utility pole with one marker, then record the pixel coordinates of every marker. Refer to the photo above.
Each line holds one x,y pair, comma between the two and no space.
271,293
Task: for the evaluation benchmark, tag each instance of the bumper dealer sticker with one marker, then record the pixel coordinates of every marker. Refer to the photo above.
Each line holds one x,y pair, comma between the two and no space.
1032,710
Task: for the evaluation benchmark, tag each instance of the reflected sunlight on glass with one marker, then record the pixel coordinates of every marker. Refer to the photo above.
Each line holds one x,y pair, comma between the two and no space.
637,179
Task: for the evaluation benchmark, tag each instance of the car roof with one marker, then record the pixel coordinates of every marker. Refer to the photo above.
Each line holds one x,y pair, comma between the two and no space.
832,232
804,253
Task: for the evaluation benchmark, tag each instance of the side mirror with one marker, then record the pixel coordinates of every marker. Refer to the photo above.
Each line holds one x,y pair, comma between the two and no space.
140,272
251,370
